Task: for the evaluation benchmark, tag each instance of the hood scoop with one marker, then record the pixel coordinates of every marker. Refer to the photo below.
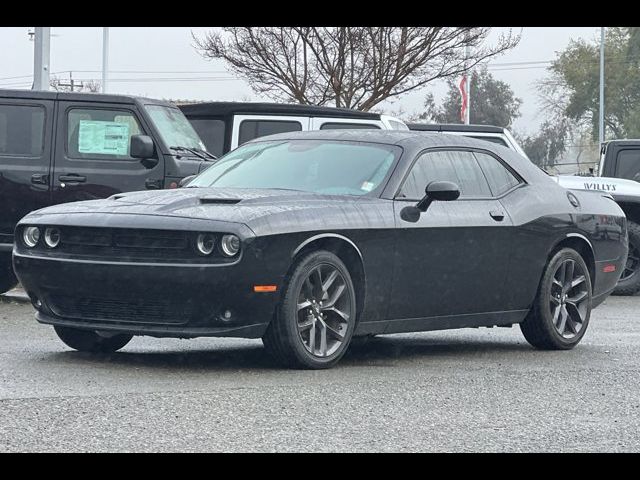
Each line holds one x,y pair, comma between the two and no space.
212,200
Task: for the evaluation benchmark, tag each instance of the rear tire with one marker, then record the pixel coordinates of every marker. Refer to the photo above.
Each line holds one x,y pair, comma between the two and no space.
90,341
629,283
8,279
560,314
315,319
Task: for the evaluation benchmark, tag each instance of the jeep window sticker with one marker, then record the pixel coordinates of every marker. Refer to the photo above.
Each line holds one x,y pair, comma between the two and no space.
607,187
106,138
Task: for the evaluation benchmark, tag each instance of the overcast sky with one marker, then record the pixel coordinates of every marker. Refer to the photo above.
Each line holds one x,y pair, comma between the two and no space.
161,62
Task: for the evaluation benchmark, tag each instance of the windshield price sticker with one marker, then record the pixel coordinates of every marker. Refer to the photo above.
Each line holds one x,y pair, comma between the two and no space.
106,138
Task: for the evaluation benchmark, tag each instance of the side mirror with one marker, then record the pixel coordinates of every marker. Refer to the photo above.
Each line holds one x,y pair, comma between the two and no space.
141,147
185,181
442,191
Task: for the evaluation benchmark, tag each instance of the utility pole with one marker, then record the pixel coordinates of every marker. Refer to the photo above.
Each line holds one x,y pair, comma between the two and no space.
105,57
467,113
71,83
601,109
41,58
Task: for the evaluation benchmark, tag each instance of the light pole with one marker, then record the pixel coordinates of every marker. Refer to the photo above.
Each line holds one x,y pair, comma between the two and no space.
601,109
41,50
105,57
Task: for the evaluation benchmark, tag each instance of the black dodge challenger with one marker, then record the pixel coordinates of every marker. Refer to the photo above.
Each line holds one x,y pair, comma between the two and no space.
309,239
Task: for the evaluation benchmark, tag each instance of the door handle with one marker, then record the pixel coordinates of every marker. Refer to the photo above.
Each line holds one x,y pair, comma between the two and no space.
72,178
497,215
40,179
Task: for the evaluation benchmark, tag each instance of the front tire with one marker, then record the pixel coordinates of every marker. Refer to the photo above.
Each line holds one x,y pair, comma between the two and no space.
315,319
8,279
629,283
90,341
560,314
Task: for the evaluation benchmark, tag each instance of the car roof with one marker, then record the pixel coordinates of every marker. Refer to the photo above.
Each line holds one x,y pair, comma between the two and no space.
79,96
230,108
454,127
413,142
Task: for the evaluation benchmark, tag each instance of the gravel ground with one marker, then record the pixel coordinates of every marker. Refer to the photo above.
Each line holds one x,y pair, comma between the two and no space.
464,390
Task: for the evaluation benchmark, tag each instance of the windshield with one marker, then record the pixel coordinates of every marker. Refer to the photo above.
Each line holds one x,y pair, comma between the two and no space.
321,166
174,127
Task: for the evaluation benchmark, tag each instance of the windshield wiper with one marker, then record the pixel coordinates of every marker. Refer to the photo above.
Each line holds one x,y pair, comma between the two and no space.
195,151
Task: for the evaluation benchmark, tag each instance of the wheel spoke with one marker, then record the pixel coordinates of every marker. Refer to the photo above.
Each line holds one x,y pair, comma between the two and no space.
323,338
337,293
303,305
563,274
577,281
306,325
563,319
317,283
554,300
335,332
577,298
329,281
340,313
574,313
556,315
312,338
571,325
568,275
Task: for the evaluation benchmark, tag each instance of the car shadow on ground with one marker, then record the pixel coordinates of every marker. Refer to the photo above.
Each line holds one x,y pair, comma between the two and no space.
378,351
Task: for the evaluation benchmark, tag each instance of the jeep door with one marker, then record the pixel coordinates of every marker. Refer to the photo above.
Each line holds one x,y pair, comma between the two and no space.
92,152
25,151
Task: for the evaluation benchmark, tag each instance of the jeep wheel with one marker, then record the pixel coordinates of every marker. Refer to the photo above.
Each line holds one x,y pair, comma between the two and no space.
629,283
8,279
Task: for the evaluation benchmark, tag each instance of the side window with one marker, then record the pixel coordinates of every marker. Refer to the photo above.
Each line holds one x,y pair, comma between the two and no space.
628,164
21,130
211,131
455,166
250,129
348,126
499,177
100,133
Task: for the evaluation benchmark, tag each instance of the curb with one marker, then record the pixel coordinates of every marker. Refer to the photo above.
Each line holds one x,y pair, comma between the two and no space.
16,295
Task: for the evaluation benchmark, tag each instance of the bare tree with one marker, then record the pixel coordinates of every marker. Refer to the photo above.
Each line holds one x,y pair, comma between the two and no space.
354,67
59,85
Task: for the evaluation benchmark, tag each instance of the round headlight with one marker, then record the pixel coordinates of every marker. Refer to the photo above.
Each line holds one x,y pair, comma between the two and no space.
31,235
52,237
205,243
230,245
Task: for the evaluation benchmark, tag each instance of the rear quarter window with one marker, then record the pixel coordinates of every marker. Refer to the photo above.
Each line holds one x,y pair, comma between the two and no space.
21,130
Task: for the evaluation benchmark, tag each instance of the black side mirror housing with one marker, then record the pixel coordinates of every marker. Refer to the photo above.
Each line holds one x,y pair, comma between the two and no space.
442,191
142,147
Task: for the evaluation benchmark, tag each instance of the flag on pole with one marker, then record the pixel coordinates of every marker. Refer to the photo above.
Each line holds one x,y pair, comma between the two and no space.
463,92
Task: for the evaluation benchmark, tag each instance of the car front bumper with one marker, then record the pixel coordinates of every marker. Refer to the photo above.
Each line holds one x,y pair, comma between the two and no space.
145,299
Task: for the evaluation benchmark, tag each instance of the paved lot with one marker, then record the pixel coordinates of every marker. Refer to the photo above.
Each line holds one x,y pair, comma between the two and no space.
466,390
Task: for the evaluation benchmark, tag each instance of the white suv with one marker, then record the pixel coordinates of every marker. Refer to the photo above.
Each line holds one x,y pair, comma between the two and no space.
225,125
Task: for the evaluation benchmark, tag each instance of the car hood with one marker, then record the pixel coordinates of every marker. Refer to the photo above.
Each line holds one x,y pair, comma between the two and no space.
256,208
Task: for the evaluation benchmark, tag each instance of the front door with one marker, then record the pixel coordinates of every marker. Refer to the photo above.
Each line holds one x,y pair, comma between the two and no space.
25,151
92,153
454,259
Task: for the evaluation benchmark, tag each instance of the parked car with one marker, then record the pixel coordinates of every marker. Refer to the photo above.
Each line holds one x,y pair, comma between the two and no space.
619,175
225,125
63,147
490,133
305,239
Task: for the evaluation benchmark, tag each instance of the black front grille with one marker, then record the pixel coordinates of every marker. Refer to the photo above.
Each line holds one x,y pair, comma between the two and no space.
120,310
6,238
129,244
